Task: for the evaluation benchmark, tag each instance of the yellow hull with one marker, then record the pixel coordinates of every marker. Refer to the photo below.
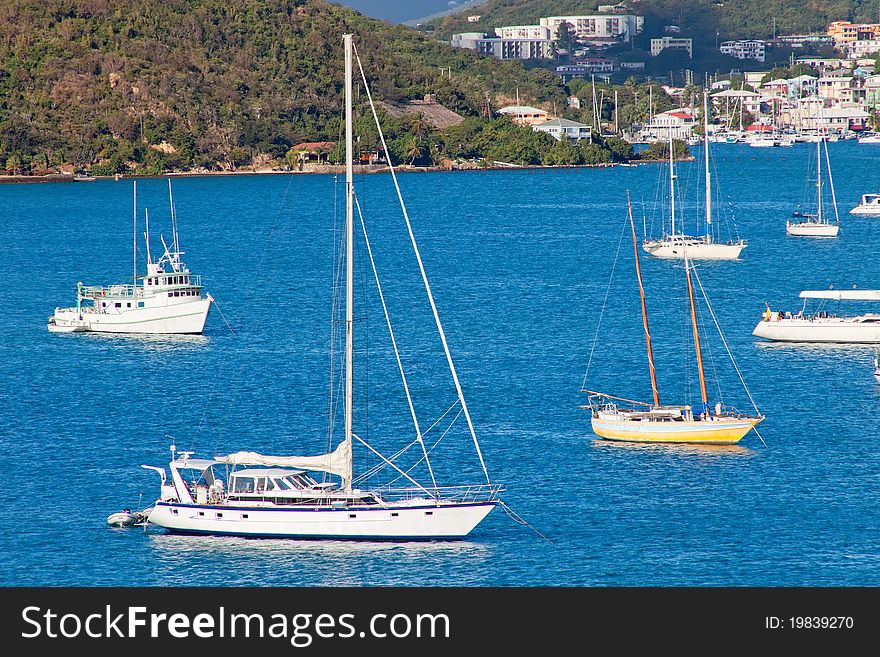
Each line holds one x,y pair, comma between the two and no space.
693,433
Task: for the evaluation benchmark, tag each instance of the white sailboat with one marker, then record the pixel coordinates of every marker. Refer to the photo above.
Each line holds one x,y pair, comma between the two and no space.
868,207
704,247
276,496
168,299
817,224
820,325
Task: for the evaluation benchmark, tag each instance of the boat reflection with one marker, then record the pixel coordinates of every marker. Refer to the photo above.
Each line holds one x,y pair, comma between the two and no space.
677,449
166,342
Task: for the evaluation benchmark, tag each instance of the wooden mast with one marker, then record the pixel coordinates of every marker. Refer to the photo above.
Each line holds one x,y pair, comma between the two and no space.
687,271
644,307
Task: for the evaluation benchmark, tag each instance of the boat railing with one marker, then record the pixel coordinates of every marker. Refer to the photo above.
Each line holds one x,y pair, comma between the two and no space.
466,493
127,290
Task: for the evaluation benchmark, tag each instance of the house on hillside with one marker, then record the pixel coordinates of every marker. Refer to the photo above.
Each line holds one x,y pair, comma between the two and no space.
524,115
677,122
561,129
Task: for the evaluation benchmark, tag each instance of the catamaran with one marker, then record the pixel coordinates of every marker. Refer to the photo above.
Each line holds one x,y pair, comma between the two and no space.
278,496
168,299
618,418
804,224
869,206
822,325
704,247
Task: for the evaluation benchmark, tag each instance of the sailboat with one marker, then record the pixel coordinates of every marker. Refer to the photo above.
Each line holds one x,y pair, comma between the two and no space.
703,247
817,224
168,300
618,418
278,496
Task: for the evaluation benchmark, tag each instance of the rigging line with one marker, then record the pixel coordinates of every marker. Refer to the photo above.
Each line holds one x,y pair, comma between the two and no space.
409,400
373,471
724,342
415,246
604,302
372,449
437,442
519,520
225,321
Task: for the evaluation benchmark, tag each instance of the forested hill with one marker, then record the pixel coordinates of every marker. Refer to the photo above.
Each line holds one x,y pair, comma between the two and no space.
152,85
697,18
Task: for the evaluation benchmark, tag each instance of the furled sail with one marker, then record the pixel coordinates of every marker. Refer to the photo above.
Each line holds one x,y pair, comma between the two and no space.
336,462
842,295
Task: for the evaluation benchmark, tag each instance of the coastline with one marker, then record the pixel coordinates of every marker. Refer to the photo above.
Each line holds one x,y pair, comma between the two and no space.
331,169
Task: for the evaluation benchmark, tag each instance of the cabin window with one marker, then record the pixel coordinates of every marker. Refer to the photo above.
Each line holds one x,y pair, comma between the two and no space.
118,305
244,485
283,484
261,484
429,513
394,515
140,304
219,515
244,516
352,515
201,513
128,305
173,512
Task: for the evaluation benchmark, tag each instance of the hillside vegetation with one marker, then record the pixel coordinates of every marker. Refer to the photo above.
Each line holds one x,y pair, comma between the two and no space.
155,85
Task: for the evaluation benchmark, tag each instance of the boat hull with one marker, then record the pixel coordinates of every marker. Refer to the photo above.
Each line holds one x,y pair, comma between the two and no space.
811,229
181,318
695,251
830,329
712,432
866,210
444,521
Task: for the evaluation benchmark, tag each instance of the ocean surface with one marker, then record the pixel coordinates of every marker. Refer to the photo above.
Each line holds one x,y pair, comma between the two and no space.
520,263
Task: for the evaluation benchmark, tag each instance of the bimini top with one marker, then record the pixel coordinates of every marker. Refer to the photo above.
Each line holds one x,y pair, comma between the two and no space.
842,295
267,472
194,464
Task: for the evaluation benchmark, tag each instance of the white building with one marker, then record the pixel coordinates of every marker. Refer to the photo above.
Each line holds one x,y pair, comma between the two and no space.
678,122
744,49
561,129
661,44
864,47
503,48
523,32
524,115
600,26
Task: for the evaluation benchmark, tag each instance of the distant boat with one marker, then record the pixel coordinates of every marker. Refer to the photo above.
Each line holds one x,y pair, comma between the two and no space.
762,142
869,138
703,247
803,224
618,418
168,300
80,177
869,207
876,368
822,326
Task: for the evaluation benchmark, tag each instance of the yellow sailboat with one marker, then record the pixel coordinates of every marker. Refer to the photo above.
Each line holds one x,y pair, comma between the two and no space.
617,418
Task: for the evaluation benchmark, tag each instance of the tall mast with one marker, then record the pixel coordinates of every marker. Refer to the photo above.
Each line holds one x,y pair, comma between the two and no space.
687,271
671,183
349,255
147,235
616,121
742,88
819,177
175,245
708,174
134,235
644,306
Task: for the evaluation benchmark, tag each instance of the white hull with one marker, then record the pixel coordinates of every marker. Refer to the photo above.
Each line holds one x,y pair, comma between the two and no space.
874,139
403,521
695,250
811,229
866,210
186,318
853,330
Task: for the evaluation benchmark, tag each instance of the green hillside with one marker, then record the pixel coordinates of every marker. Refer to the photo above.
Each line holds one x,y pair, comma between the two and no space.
154,85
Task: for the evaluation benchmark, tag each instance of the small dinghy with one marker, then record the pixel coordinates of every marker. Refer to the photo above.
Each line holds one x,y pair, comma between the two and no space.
127,518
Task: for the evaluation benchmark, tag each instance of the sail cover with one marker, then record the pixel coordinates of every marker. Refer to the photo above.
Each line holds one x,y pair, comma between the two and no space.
842,295
336,462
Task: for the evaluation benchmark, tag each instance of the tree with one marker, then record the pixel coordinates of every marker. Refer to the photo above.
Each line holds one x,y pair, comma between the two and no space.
566,38
413,149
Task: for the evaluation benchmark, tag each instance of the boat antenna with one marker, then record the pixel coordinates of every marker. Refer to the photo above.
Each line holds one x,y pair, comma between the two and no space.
134,279
644,306
690,288
147,234
175,245
708,174
671,182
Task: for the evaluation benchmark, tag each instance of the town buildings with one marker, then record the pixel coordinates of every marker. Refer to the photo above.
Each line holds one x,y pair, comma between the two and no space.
745,49
674,43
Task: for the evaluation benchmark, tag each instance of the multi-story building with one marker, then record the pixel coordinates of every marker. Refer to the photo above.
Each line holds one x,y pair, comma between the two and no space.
584,68
678,122
744,49
845,32
599,26
524,115
803,40
503,48
523,32
864,47
664,43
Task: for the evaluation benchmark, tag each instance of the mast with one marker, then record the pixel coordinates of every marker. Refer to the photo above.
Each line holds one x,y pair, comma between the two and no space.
616,121
671,183
134,241
742,101
687,271
147,235
819,177
644,306
175,245
708,174
349,256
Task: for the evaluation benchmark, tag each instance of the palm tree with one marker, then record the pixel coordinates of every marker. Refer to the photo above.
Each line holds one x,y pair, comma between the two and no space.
413,149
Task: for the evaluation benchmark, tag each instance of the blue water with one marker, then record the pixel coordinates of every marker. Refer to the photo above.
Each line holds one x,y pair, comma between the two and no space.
519,263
